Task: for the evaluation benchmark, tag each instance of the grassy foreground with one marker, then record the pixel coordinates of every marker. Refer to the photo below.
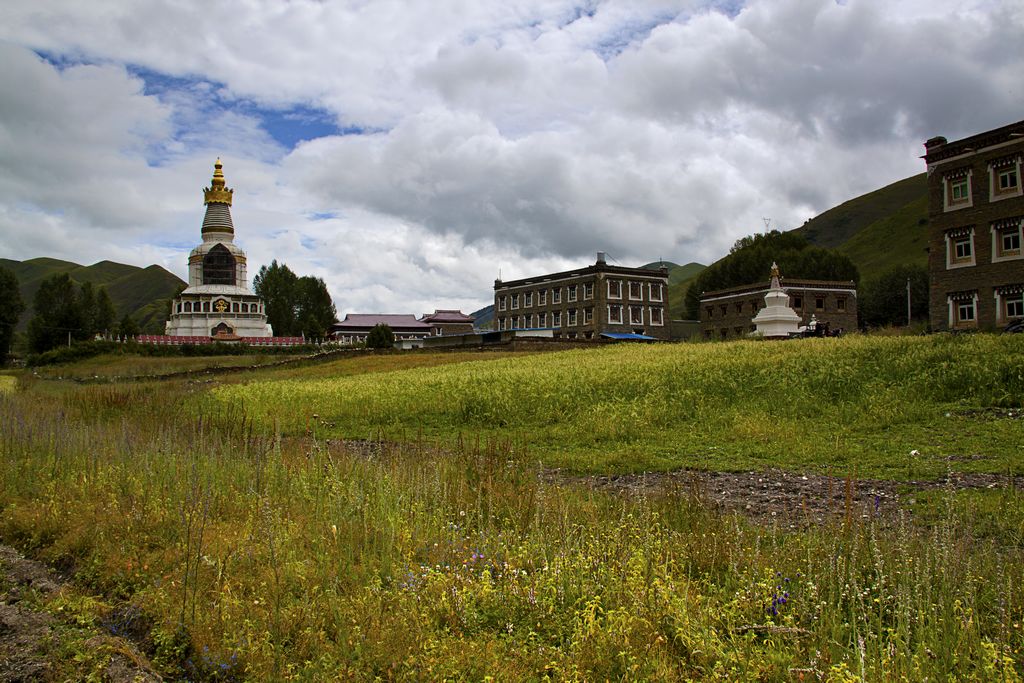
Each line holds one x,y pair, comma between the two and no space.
859,404
250,550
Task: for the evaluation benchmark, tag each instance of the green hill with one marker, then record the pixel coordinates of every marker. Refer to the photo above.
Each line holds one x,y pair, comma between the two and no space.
878,230
143,293
679,279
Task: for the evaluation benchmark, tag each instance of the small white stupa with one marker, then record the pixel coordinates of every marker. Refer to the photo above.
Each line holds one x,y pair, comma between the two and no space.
776,320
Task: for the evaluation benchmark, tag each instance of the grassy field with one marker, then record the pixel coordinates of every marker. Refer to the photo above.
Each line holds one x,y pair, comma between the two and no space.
252,549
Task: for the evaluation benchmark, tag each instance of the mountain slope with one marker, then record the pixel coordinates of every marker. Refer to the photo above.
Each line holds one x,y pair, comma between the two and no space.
143,293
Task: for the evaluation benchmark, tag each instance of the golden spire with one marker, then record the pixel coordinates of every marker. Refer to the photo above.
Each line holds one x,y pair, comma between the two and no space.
217,192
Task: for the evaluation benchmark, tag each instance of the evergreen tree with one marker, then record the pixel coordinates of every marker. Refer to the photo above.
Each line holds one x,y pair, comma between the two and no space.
57,319
277,285
103,322
128,327
11,310
380,337
316,312
87,309
751,258
882,300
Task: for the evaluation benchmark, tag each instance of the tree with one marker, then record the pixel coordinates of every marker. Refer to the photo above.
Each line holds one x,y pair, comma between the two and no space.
380,337
751,258
58,318
277,286
315,310
883,299
128,327
103,322
9,312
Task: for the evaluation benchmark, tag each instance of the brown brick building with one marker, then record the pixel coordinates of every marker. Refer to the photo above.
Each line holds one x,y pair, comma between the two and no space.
587,303
976,209
729,313
447,321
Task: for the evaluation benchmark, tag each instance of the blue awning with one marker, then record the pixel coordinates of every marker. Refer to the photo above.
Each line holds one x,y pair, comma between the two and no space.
626,336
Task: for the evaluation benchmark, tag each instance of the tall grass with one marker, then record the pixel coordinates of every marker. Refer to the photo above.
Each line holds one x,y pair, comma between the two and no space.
264,556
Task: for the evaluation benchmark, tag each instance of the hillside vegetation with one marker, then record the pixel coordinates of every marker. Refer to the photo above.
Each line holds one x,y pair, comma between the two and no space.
143,293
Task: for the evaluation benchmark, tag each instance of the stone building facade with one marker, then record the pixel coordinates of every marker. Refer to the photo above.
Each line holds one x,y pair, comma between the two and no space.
597,300
355,328
976,213
447,321
729,313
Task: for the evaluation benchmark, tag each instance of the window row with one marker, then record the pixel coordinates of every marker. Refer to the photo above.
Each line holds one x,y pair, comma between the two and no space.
1006,238
219,306
637,315
541,297
963,306
796,302
1004,181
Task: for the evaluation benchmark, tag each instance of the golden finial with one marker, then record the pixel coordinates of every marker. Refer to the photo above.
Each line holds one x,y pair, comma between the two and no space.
217,192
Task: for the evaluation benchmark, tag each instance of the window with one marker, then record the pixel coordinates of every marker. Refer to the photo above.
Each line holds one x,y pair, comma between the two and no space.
738,331
753,305
709,311
1004,177
963,311
725,309
636,291
501,323
636,315
655,293
798,303
522,322
572,317
615,314
615,289
542,297
1013,305
957,189
556,319
219,266
1006,239
529,320
515,301
588,316
960,248
501,303
739,306
841,304
556,295
543,320
588,290
657,315
571,292
819,303
527,299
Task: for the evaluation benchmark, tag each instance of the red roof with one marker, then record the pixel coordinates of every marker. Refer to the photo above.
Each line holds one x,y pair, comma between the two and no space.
447,316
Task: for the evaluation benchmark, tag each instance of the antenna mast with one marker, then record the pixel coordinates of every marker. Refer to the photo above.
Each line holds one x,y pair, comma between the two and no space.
767,225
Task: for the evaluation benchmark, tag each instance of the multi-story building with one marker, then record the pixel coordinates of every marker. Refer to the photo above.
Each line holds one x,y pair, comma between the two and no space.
729,313
598,300
976,210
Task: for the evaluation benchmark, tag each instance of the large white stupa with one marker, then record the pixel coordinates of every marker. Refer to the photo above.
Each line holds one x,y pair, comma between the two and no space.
218,302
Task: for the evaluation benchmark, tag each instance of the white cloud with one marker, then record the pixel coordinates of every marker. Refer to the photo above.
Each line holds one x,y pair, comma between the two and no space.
521,136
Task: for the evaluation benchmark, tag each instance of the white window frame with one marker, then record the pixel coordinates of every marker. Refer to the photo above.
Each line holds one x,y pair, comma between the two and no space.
951,242
639,289
636,309
502,303
588,291
955,321
515,302
995,174
660,322
614,311
542,297
997,243
570,292
571,319
1004,301
527,299
947,192
588,316
556,319
556,295
655,290
617,295
543,319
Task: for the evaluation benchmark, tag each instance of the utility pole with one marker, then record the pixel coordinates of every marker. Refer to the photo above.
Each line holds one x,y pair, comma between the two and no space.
908,302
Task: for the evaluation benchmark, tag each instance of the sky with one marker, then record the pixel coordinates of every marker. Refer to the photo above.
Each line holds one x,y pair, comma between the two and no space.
409,153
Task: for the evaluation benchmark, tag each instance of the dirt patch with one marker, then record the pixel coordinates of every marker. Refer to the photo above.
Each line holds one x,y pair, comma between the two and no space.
29,636
797,498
